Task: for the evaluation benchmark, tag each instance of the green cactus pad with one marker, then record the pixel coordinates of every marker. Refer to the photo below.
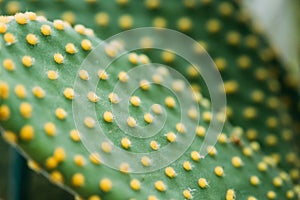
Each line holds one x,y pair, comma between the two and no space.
224,28
40,61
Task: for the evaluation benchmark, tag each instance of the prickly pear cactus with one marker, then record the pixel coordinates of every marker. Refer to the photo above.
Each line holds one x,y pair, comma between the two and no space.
40,62
223,28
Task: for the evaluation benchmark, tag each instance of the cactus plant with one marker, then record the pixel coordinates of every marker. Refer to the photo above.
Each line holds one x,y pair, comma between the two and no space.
66,162
41,61
239,50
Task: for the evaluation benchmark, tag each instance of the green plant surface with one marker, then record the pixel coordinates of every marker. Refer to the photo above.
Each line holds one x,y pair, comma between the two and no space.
36,114
249,67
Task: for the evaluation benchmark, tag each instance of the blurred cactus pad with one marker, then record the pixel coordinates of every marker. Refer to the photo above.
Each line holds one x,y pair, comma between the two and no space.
43,45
